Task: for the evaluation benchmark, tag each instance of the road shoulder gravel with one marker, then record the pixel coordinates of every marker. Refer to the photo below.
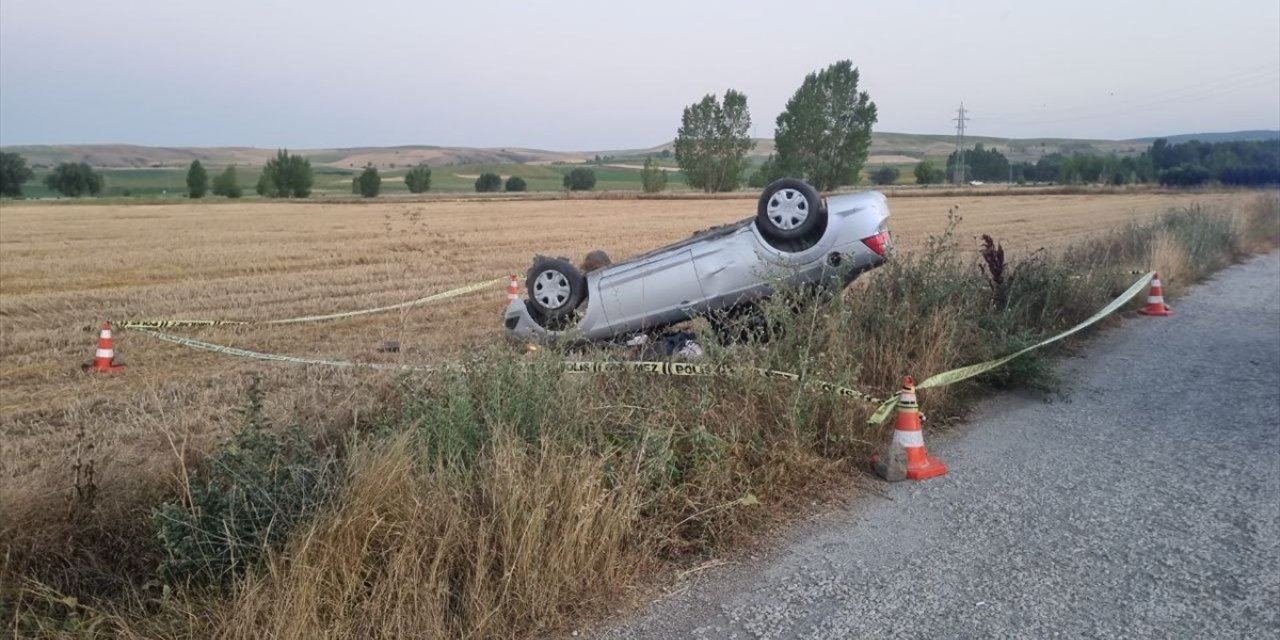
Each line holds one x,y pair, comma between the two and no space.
1147,504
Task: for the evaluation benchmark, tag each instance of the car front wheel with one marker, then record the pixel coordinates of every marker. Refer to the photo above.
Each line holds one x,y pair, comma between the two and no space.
789,210
555,287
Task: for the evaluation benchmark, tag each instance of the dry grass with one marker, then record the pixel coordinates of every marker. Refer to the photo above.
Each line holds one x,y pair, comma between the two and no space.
445,557
508,500
1169,259
64,268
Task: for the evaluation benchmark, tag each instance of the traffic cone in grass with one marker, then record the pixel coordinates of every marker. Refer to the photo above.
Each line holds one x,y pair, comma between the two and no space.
513,291
908,443
104,359
1155,300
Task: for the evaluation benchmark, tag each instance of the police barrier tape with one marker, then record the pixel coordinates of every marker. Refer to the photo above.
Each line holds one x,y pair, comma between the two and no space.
272,357
688,369
168,324
569,366
1108,274
964,373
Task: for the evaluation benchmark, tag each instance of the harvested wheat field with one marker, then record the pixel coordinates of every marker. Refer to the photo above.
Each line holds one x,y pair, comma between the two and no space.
64,269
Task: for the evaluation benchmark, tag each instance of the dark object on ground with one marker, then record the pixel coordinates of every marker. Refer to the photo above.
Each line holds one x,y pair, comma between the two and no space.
389,346
892,463
595,260
682,344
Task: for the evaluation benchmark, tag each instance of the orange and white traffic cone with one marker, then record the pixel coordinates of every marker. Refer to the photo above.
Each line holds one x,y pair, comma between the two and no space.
104,359
1155,300
513,291
909,439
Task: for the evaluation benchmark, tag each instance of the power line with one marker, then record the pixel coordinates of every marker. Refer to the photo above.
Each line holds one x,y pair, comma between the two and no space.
960,119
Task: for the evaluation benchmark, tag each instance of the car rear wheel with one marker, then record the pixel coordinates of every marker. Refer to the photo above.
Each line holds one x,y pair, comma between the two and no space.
789,209
555,287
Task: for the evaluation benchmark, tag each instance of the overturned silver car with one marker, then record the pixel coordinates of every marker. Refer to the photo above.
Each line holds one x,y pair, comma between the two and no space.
795,239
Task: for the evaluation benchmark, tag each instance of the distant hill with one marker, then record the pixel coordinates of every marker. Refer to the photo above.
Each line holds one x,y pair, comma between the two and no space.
886,148
1224,136
125,156
898,148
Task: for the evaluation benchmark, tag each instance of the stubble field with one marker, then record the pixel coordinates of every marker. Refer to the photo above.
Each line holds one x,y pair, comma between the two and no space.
64,269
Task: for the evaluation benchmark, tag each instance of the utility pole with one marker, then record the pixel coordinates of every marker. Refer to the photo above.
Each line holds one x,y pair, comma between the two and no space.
959,167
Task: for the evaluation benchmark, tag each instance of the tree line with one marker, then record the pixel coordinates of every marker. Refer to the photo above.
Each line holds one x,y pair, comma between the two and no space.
286,175
1187,164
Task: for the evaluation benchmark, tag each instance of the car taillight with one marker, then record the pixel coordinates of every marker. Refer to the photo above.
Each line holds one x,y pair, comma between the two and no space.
878,243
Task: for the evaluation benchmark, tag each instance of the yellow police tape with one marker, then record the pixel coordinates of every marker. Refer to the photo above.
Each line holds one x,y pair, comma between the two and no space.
1108,274
271,357
964,373
570,366
167,324
688,369
654,368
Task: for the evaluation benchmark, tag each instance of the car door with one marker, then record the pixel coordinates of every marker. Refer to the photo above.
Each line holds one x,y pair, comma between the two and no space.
730,269
651,292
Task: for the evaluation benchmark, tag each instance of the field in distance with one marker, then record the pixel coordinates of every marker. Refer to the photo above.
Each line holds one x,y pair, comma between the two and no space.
133,170
64,269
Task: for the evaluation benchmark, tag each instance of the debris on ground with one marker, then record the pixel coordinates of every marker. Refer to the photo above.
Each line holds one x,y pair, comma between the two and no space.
595,260
680,344
892,463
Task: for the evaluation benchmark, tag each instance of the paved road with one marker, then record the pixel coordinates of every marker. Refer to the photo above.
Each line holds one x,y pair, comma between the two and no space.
1145,506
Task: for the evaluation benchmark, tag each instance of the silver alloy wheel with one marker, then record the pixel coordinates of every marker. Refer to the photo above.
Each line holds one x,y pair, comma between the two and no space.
788,209
551,289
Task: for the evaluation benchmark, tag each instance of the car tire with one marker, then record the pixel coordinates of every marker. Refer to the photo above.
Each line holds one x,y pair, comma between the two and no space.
555,287
790,209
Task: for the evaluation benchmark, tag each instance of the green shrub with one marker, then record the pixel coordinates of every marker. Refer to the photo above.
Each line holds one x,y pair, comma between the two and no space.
885,175
244,500
580,179
369,183
286,176
13,172
927,173
488,183
197,180
74,179
652,178
516,183
227,184
418,179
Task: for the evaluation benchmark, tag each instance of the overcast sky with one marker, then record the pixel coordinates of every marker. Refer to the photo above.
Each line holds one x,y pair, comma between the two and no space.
594,75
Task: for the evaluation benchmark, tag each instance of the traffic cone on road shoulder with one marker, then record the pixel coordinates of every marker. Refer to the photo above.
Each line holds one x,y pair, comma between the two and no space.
1155,300
513,291
907,447
104,359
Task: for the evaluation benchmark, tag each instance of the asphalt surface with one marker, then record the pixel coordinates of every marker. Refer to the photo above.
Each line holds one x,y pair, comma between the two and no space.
1146,505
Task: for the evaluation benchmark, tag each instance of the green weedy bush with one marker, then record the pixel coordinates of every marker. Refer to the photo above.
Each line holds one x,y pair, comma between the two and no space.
250,494
922,313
